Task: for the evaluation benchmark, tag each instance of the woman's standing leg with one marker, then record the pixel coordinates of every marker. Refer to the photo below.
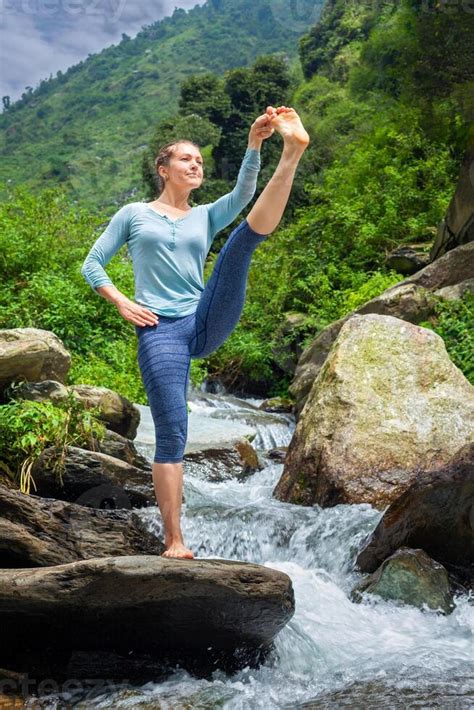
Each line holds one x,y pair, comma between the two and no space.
223,298
164,361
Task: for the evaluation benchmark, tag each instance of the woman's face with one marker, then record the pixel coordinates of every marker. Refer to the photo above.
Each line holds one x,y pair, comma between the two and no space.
186,167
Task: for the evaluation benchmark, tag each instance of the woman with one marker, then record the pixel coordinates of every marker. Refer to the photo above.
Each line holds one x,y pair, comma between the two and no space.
175,317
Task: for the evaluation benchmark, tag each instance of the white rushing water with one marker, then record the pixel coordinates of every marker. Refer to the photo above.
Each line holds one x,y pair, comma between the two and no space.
333,653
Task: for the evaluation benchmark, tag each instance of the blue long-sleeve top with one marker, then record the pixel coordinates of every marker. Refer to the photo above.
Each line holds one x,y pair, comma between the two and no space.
168,255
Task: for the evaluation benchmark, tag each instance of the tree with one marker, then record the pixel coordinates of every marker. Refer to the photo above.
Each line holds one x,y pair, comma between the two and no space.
205,95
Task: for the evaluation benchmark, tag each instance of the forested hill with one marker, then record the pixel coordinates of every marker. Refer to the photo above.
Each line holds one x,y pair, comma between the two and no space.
87,127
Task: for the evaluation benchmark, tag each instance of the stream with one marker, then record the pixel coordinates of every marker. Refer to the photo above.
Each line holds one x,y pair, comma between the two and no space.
333,653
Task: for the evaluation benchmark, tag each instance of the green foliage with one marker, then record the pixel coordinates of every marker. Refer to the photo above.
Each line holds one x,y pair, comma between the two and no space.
242,354
390,186
205,96
365,286
453,322
28,427
379,174
198,372
251,90
341,23
111,364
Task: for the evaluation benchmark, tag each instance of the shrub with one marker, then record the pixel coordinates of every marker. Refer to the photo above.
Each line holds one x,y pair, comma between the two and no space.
28,427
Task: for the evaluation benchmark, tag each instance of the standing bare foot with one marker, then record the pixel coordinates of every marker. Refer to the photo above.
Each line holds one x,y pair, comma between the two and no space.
288,124
177,549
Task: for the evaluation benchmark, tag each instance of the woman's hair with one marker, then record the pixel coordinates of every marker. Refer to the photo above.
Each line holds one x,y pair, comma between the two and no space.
163,158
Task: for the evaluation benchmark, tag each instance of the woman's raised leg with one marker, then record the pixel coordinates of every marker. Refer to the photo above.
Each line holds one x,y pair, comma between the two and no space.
268,210
223,298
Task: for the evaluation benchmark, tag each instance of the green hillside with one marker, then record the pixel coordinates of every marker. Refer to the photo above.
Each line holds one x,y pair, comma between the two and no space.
88,127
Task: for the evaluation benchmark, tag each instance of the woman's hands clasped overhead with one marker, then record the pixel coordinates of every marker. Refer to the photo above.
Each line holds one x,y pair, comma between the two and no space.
261,128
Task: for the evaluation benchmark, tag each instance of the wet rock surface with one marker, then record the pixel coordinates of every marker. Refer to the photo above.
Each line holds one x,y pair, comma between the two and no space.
435,514
410,577
37,532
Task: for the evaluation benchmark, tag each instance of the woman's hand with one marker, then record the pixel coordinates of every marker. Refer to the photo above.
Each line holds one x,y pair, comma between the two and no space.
261,129
136,314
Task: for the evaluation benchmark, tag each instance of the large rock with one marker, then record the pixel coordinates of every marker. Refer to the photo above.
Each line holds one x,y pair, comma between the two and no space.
456,291
436,514
48,390
169,607
32,354
118,413
387,403
118,447
408,259
457,227
122,485
36,532
121,448
413,300
452,268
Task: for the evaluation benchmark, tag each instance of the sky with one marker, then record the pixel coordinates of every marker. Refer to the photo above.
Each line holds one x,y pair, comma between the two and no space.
39,37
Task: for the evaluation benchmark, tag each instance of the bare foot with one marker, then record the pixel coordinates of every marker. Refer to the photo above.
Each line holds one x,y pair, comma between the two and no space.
287,122
177,549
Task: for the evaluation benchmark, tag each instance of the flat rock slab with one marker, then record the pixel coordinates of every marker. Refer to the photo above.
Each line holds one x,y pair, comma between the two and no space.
143,603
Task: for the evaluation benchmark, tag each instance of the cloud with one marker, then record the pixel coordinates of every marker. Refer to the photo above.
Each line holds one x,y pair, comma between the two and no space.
40,37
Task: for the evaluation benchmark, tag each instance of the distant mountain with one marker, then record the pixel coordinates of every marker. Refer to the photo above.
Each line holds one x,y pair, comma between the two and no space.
87,127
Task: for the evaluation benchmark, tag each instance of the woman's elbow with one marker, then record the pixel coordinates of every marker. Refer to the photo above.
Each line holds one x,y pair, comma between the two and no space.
87,272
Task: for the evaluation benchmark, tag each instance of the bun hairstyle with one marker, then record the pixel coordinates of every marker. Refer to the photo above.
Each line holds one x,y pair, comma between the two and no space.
163,158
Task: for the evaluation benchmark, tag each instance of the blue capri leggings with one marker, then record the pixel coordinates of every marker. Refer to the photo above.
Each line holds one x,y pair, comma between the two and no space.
165,350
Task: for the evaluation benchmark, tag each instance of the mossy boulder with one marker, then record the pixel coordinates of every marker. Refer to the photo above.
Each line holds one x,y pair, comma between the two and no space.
387,403
411,577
